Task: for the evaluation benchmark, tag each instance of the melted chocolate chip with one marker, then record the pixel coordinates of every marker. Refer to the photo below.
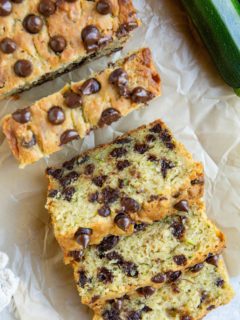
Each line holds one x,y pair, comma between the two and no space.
122,221
198,267
113,255
141,95
109,195
150,138
93,197
219,282
182,206
89,169
46,7
5,8
29,143
83,159
146,291
130,205
103,7
211,307
152,158
109,116
212,259
111,314
7,45
146,309
56,115
22,115
72,99
68,193
180,260
134,315
95,298
17,1
141,148
23,68
108,243
178,229
83,280
99,180
120,183
104,211
159,278
140,227
156,128
122,164
57,44
118,77
52,193
204,296
165,166
166,138
69,164
125,28
197,182
186,317
90,38
55,173
68,135
90,86
129,268
105,276
173,276
82,236
76,255
122,141
118,152
32,23
69,178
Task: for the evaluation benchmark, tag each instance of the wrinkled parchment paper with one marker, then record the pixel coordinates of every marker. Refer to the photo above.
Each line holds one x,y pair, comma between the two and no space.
202,112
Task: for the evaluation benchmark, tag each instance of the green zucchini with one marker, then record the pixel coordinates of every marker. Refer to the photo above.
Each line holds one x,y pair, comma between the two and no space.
218,23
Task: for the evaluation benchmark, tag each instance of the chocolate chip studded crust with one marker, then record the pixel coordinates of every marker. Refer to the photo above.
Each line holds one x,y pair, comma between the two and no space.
137,178
79,107
190,297
40,39
148,257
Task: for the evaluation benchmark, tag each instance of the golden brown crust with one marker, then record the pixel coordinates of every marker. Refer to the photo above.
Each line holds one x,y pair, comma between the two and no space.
141,72
68,20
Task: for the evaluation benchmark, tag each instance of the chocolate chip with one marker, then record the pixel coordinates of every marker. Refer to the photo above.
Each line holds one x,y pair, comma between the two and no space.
55,173
83,280
103,7
90,38
76,255
23,68
122,141
118,152
17,1
178,229
46,8
69,178
56,115
29,143
57,44
70,163
198,267
118,77
89,169
146,291
109,116
175,288
204,296
134,315
52,193
120,183
111,314
141,148
113,255
180,260
82,236
166,138
82,160
211,307
173,276
95,298
122,221
90,86
219,282
104,211
125,28
152,158
146,309
105,276
140,227
130,205
68,135
32,23
165,166
117,305
186,317
108,243
182,206
156,128
22,115
7,45
72,99
150,138
80,230
109,195
130,269
159,278
99,180
212,259
122,164
5,8
68,193
197,182
70,1
93,197
141,95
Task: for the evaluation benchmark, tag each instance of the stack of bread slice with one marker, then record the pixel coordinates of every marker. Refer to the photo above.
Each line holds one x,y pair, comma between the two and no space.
130,219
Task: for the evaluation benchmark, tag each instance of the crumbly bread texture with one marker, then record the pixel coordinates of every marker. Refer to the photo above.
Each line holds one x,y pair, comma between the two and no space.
53,121
120,265
197,291
40,39
137,178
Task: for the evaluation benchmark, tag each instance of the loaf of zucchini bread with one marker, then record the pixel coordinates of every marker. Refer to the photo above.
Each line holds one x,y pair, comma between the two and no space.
137,178
192,295
40,39
120,265
43,128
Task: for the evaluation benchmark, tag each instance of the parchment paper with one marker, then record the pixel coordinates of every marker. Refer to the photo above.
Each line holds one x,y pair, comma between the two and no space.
202,112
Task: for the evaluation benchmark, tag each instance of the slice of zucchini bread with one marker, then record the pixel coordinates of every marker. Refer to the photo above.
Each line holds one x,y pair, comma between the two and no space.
120,265
40,39
189,297
43,128
137,178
